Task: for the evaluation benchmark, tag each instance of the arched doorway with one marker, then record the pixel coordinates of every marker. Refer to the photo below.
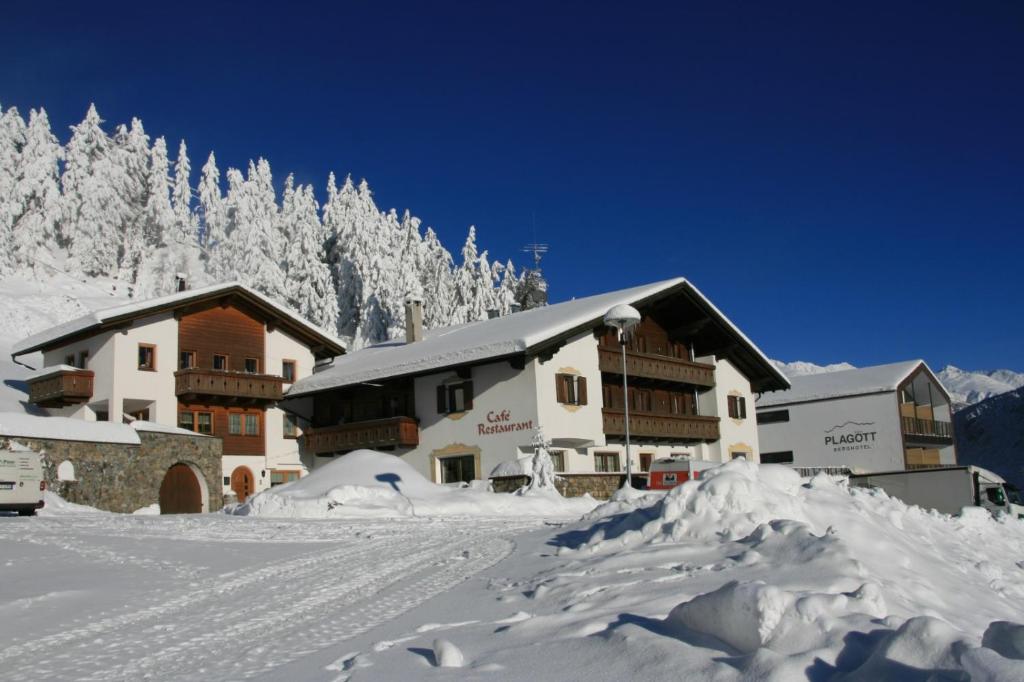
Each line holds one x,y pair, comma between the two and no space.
180,492
243,482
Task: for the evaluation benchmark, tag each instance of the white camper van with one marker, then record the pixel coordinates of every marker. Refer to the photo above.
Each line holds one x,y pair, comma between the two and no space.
21,479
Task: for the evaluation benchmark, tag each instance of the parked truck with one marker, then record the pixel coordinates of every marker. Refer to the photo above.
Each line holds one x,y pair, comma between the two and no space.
21,479
946,489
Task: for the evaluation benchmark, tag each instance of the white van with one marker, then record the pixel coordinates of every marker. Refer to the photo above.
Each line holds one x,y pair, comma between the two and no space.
21,479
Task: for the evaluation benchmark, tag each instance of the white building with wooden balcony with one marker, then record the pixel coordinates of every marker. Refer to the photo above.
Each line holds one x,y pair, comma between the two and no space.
456,402
881,418
214,360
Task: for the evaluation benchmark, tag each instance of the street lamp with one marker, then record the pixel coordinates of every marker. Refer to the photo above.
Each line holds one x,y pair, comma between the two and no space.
624,317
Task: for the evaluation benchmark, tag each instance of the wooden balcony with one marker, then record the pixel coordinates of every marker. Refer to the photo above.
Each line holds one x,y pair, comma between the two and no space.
394,431
663,367
62,387
661,426
197,385
927,427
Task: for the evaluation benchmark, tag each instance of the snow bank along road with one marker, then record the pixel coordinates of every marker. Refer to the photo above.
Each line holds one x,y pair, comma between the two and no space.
108,597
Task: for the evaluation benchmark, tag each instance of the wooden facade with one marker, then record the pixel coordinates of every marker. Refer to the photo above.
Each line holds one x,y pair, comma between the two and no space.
391,432
667,427
196,383
61,389
222,330
234,444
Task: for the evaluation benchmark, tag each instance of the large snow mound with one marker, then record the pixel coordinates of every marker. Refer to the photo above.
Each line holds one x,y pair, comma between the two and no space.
369,483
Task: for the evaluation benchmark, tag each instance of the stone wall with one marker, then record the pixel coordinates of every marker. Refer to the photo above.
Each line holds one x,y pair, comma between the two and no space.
598,486
119,477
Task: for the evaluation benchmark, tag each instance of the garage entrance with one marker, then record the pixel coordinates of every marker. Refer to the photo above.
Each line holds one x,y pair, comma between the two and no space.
180,492
243,483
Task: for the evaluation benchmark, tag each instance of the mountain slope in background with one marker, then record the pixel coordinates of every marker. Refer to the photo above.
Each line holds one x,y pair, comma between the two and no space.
991,435
800,368
970,387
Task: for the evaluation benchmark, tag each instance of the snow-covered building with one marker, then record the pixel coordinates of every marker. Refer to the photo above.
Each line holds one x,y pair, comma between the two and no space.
881,418
457,402
213,360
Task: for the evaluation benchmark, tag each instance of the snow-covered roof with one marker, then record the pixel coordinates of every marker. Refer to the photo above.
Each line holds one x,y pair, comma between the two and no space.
845,383
515,334
19,424
50,371
99,319
153,427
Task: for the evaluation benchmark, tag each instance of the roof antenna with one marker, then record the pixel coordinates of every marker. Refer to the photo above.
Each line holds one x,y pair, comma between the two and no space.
537,249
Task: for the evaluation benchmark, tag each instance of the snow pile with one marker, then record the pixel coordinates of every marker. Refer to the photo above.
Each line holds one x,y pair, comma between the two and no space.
375,484
806,569
55,505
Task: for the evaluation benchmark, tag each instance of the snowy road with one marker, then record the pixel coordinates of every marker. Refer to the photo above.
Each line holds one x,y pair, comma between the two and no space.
103,597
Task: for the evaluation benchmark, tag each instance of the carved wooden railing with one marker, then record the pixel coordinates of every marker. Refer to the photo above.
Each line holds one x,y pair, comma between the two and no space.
651,425
394,431
656,367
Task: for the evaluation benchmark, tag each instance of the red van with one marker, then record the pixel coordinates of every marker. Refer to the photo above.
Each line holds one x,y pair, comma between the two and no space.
667,473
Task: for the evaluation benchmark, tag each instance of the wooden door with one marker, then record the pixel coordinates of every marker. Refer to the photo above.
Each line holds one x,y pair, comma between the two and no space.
243,483
180,492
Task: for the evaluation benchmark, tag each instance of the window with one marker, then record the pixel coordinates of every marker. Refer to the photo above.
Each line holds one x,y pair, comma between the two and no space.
773,417
282,477
220,362
452,398
83,359
641,400
290,426
458,469
252,425
571,389
645,461
777,457
69,360
200,422
147,357
141,415
737,407
606,462
252,366
234,424
187,360
288,370
557,460
102,416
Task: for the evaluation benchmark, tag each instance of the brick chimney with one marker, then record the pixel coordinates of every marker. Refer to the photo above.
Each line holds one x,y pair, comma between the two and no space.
413,318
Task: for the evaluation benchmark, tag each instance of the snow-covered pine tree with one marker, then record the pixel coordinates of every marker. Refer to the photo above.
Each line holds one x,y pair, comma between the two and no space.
12,141
471,288
253,232
310,288
211,207
186,226
93,202
133,176
532,291
507,290
154,228
438,285
38,193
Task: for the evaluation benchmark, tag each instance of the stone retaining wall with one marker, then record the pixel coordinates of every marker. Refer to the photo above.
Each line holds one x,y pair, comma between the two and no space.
119,477
598,486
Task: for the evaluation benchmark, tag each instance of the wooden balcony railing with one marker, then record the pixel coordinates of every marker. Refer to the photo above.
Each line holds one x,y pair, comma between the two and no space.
394,431
927,427
61,388
656,367
191,384
667,426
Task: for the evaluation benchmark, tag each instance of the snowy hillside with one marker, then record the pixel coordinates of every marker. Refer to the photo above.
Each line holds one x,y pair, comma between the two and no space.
991,434
968,388
31,304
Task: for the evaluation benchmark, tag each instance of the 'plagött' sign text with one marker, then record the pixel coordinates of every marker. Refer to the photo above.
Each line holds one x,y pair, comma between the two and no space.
843,439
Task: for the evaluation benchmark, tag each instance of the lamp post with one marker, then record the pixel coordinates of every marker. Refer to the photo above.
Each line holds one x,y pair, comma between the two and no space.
623,318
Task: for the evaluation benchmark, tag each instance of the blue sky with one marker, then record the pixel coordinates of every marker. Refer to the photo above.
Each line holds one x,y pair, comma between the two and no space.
846,182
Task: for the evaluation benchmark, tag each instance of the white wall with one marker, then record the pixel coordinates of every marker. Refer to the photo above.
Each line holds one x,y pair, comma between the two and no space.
735,435
873,420
257,465
501,395
564,424
283,453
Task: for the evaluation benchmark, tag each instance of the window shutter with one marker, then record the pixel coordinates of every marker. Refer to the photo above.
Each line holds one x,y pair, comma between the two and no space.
581,391
467,389
560,388
743,407
442,400
732,406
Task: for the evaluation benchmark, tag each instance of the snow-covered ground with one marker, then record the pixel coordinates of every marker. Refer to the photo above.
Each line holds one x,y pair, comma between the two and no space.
750,574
